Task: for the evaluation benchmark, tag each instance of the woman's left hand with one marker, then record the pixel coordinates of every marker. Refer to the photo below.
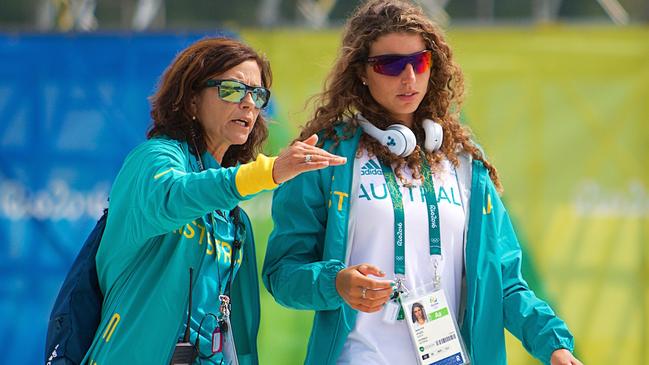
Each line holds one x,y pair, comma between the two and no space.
302,156
564,357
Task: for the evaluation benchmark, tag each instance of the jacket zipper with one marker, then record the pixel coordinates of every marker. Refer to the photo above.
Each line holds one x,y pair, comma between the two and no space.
345,237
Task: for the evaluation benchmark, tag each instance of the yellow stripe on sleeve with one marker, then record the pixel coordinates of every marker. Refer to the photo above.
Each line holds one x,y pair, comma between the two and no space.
256,176
163,173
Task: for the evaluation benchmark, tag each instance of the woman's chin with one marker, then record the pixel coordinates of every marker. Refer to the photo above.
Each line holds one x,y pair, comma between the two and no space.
240,140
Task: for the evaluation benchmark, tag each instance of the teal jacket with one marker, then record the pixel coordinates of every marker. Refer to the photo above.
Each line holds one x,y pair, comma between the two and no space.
157,229
307,248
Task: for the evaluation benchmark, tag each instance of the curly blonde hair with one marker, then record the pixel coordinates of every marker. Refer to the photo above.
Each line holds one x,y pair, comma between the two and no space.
344,93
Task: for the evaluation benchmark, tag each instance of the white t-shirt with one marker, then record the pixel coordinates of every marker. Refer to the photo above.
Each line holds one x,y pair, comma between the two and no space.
371,240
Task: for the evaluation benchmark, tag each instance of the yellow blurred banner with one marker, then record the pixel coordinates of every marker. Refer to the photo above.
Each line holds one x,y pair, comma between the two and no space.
563,112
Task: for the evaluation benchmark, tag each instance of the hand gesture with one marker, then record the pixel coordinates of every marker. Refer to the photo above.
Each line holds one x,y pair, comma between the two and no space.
362,292
303,156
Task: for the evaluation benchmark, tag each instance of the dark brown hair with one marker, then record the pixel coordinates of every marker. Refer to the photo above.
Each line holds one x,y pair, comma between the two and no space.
344,92
183,79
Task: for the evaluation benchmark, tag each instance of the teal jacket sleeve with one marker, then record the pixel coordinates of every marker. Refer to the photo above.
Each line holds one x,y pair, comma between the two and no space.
294,270
162,195
526,316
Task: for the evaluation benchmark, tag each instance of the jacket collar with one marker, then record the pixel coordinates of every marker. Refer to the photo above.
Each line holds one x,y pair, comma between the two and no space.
209,161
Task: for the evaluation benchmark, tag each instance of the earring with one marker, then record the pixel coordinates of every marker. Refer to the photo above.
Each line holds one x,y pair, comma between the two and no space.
364,83
193,117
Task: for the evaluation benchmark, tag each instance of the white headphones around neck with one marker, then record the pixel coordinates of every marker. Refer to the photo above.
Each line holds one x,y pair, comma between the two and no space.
400,140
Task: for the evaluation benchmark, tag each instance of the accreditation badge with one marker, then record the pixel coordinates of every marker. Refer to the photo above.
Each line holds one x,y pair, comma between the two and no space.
229,349
434,331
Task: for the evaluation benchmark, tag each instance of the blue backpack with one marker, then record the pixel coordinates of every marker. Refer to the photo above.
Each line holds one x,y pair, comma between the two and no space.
77,310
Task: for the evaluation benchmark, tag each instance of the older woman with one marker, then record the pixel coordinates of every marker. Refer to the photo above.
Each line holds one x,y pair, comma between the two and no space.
418,208
172,209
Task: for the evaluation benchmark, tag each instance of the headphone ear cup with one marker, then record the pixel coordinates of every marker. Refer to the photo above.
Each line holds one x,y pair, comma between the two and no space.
394,140
410,141
399,139
434,135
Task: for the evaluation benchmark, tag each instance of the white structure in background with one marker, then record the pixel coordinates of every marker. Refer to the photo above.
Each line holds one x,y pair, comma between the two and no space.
145,12
615,11
67,15
548,11
268,12
436,10
316,12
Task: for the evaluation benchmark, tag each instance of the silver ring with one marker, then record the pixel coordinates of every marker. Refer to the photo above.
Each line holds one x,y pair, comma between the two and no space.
307,158
363,291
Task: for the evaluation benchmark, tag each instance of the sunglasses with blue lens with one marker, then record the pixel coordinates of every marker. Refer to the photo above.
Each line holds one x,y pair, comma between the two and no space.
234,91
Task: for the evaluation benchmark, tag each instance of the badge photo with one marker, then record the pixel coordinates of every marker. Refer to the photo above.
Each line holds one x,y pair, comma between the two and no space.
434,332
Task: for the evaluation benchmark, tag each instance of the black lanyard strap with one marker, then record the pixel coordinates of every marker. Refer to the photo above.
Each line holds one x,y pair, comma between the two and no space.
224,297
236,246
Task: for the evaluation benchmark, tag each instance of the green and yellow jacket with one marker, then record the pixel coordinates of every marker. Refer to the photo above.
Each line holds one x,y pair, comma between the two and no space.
308,247
158,228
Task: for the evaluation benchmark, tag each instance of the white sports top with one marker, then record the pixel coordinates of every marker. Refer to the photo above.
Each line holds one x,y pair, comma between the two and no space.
371,240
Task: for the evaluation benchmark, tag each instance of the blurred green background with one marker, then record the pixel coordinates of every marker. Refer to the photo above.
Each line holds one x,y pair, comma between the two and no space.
562,111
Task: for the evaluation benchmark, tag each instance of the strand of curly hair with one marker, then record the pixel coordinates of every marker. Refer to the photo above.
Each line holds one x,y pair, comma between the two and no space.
344,93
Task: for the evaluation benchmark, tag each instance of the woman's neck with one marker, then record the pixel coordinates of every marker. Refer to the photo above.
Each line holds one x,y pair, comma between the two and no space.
405,119
217,150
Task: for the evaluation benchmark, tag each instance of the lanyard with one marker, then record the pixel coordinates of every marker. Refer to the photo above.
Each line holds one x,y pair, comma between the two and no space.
434,234
236,245
224,296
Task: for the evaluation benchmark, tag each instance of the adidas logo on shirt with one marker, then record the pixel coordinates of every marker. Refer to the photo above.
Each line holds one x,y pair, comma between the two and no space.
371,167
